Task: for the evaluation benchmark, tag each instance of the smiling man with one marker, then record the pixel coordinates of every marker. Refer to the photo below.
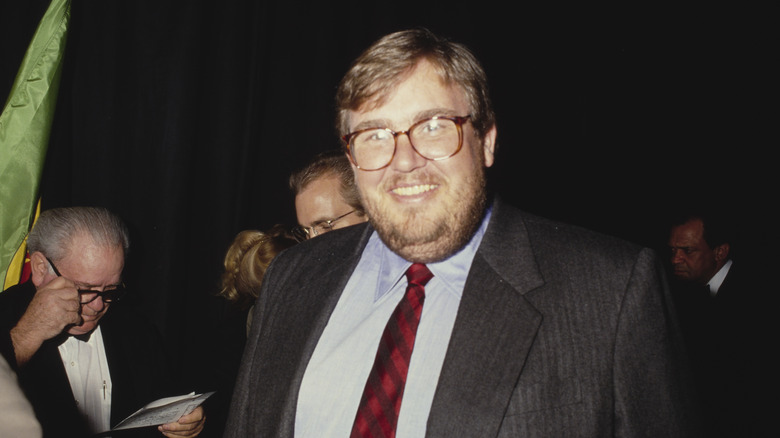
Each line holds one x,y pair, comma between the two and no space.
424,208
83,368
451,314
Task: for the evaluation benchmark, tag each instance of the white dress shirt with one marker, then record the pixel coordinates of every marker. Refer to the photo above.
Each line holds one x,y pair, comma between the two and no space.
717,280
337,372
90,381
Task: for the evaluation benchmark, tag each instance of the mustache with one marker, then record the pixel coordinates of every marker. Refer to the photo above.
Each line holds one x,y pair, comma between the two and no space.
419,178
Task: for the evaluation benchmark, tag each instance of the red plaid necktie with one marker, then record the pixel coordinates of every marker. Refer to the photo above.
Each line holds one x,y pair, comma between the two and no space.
377,414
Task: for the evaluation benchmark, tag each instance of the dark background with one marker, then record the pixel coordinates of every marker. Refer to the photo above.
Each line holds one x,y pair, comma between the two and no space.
186,118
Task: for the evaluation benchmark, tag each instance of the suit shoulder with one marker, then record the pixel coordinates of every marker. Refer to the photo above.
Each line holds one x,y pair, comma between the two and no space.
316,257
561,246
558,235
13,303
341,241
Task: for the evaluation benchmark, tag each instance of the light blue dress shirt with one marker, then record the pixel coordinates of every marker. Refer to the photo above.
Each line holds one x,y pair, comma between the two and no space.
336,374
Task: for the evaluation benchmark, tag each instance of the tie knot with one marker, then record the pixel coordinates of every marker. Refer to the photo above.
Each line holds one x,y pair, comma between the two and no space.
418,274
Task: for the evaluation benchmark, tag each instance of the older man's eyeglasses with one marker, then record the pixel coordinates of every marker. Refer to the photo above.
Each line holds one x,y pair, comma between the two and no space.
322,227
435,139
86,296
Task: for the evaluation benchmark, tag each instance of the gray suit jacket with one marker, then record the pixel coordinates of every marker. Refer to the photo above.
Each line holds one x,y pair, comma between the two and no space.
17,418
560,332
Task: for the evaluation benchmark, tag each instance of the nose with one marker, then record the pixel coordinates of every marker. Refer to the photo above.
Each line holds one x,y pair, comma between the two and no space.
406,158
676,257
95,301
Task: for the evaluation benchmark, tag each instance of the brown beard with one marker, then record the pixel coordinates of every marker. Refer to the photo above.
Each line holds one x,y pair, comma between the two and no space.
418,240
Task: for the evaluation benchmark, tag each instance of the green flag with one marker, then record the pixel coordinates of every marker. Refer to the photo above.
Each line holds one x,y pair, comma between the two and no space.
24,133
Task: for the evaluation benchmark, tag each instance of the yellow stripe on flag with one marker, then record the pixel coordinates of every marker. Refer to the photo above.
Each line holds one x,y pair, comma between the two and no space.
20,263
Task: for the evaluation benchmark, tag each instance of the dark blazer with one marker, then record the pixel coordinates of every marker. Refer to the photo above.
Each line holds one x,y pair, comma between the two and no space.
135,360
560,332
731,339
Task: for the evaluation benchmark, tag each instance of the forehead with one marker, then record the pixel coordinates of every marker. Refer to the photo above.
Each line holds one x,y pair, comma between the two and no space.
690,233
424,93
324,187
320,200
89,263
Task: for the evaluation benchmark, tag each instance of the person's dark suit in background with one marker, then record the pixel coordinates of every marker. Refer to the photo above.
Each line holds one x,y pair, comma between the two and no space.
530,328
77,257
245,263
724,308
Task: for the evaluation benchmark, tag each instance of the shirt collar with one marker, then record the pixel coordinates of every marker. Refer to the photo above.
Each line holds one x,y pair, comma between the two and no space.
93,339
717,280
451,272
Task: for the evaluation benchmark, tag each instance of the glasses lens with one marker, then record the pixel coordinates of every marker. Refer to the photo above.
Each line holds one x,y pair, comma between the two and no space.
108,295
113,294
322,228
300,233
435,138
88,296
373,149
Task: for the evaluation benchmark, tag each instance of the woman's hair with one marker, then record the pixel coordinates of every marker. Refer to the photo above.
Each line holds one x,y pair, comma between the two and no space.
246,261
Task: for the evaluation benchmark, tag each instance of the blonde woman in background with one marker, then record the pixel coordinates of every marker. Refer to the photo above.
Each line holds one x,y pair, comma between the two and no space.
246,260
245,263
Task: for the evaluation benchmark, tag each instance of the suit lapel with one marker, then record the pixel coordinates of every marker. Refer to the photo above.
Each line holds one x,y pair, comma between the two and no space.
312,298
493,333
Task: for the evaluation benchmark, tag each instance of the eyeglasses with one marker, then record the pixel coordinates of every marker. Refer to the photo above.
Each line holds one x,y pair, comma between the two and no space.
434,139
86,296
303,233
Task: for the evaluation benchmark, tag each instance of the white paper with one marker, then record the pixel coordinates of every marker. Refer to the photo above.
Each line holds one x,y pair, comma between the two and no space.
164,410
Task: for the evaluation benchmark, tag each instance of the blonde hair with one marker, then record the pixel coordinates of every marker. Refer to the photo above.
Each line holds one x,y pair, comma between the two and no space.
246,261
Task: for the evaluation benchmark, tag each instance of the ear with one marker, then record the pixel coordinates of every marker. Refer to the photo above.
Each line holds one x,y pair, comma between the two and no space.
722,253
39,268
489,146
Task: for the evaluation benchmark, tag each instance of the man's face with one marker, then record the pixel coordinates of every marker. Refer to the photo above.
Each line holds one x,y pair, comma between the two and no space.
90,267
424,210
320,202
691,257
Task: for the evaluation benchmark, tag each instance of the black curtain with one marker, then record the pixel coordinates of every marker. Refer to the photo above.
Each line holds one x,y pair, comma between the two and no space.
186,118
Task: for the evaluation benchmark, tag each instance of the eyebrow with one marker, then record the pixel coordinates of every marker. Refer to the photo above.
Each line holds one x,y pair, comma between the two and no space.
80,285
422,115
84,286
322,221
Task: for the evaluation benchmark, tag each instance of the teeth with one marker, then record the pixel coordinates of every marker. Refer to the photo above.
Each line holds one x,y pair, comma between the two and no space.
413,190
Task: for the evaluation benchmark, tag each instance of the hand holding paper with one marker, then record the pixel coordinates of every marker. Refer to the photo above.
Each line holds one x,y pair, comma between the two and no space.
179,416
189,425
